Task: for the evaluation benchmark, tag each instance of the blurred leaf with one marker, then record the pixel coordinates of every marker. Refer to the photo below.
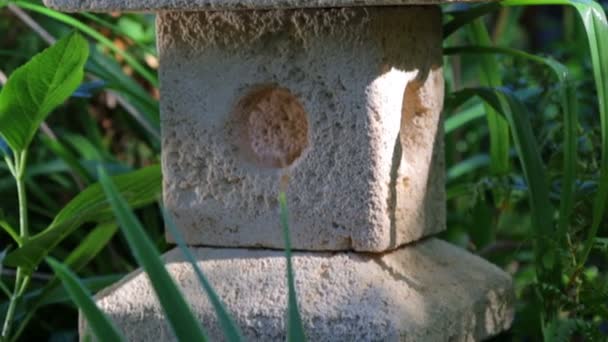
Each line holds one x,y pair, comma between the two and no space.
86,90
91,245
10,230
568,102
185,325
140,188
534,171
97,320
490,77
37,87
230,329
295,329
467,166
463,117
68,20
68,157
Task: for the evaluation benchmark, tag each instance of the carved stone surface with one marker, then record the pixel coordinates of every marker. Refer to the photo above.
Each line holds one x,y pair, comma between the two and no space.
430,291
196,5
347,102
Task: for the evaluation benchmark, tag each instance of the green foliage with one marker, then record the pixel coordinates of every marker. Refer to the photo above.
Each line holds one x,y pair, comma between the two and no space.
98,322
295,329
185,325
561,246
526,187
139,188
231,331
490,77
38,87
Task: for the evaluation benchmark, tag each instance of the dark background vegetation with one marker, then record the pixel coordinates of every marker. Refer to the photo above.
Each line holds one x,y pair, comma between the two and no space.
115,123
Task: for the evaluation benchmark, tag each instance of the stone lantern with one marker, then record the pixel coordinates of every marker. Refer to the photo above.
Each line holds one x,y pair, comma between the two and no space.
344,97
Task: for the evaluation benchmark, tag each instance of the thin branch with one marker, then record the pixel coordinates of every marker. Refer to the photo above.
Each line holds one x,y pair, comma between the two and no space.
26,19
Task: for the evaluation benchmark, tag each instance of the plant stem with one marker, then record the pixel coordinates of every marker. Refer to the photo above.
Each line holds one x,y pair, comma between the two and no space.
21,281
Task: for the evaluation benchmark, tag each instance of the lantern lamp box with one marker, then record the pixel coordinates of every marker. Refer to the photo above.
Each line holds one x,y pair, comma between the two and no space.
344,99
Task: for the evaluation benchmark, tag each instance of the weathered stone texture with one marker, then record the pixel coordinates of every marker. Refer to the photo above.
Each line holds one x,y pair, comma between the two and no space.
194,5
429,291
355,96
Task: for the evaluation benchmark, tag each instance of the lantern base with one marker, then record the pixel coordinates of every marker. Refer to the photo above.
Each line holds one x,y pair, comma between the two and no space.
427,291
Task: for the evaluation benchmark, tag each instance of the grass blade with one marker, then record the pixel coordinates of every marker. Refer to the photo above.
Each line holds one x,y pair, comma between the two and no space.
546,258
498,126
99,323
295,329
569,109
230,329
185,325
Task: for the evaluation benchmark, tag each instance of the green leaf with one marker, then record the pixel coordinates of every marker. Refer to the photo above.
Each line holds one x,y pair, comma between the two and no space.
139,188
68,157
230,329
295,329
10,230
185,325
568,103
86,251
498,126
596,27
91,32
38,87
534,172
97,321
91,245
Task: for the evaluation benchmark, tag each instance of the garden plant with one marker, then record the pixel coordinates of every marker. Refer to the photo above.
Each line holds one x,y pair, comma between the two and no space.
526,126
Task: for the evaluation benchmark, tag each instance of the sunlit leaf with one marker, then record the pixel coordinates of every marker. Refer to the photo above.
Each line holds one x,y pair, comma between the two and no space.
38,87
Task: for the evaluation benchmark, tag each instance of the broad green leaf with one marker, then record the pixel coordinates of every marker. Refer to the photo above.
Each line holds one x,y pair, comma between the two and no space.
295,329
97,321
230,329
86,251
38,87
185,325
139,188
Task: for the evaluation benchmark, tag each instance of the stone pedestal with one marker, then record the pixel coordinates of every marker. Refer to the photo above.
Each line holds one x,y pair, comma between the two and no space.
428,291
344,98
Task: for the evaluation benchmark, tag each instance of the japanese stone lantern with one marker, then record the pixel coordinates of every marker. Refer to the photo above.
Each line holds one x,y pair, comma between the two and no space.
344,97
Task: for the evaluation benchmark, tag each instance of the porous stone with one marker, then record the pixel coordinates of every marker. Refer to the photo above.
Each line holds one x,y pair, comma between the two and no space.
430,291
346,102
197,5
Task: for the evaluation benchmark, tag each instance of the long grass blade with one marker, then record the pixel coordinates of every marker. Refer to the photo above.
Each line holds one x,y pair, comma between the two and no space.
546,258
100,324
569,107
295,329
185,325
497,125
230,329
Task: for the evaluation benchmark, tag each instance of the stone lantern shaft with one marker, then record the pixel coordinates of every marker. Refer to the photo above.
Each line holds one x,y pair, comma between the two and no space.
344,99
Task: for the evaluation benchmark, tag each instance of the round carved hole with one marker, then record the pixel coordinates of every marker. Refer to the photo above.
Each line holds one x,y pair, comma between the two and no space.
273,127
